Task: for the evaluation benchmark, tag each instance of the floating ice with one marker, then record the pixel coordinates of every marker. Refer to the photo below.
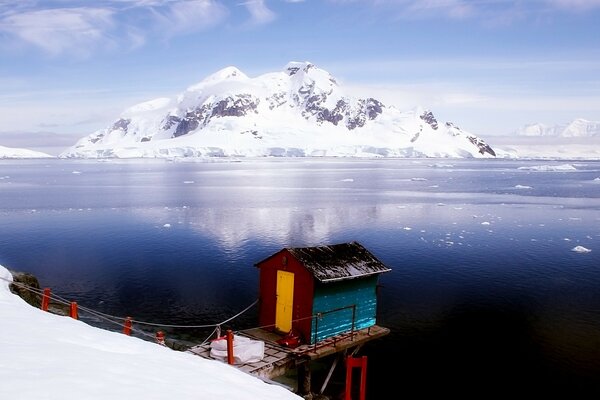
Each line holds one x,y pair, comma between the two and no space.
188,182
597,179
485,223
407,228
347,180
580,249
563,167
166,225
76,172
522,187
418,179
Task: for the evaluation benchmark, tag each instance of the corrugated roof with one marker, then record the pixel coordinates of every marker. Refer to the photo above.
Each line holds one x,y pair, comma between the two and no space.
338,261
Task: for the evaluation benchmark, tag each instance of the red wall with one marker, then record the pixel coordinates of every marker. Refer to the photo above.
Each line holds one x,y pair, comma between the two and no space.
303,292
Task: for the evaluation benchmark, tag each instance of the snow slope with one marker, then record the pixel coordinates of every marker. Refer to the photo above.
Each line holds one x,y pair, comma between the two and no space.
578,128
547,147
51,357
300,111
11,152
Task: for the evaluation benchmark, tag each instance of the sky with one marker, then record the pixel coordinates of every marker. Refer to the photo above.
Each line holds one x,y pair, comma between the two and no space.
70,67
52,357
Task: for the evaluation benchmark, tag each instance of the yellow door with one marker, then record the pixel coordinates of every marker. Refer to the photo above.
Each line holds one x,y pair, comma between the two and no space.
285,301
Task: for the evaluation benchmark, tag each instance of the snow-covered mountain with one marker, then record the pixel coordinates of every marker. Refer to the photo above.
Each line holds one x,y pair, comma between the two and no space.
12,152
300,111
577,128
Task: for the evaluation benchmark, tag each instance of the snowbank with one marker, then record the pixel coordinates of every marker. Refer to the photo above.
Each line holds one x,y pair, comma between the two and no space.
46,356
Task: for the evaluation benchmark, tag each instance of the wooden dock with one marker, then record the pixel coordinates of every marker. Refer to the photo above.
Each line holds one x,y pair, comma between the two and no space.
279,360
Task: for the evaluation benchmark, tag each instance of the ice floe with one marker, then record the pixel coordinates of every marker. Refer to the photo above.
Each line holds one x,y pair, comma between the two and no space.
522,187
580,249
562,167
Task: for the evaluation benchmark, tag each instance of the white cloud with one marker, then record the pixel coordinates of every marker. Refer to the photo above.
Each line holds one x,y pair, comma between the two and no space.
259,12
180,17
452,8
60,30
73,27
489,12
575,5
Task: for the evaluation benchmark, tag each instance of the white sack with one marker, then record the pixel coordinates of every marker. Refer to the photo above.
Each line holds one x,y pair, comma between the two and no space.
245,350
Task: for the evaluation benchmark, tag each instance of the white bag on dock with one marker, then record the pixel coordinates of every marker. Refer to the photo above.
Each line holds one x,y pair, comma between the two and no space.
245,350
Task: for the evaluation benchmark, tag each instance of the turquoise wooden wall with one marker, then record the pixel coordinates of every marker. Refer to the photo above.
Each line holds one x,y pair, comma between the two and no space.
335,295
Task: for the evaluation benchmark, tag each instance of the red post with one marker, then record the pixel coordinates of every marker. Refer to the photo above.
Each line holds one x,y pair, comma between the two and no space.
73,310
229,347
127,326
160,338
46,299
361,363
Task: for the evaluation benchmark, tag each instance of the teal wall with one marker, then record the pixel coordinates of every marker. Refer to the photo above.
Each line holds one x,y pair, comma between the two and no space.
331,296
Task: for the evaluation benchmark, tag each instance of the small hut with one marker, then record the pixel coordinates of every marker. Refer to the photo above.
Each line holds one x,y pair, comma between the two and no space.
319,292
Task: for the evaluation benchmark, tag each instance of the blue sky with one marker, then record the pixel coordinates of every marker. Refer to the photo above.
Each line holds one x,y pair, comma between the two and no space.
71,66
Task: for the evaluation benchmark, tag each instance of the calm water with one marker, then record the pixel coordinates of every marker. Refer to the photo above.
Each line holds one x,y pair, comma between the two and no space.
486,296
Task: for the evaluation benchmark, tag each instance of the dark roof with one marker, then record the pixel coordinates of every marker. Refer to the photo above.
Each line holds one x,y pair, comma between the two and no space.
338,261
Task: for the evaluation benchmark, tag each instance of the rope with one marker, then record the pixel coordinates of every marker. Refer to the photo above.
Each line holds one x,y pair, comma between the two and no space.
61,300
112,318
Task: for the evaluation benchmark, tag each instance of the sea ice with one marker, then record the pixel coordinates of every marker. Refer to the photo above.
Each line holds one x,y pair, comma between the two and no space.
562,167
522,187
580,249
188,182
348,180
166,225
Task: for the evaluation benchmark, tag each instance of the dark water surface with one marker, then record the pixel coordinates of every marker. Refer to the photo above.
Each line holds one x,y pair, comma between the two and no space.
486,298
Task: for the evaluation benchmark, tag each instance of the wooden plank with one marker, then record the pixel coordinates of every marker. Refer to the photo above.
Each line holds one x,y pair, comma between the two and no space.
278,360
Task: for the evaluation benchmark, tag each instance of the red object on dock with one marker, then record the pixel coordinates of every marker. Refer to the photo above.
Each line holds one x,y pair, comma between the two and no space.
73,311
127,326
229,347
46,299
361,363
160,338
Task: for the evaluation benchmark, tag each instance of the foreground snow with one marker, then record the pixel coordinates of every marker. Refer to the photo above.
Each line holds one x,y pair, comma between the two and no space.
11,152
46,356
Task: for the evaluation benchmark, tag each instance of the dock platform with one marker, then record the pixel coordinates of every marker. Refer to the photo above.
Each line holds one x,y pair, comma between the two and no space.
278,359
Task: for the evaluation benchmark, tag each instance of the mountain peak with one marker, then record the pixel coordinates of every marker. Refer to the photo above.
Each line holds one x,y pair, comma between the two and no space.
294,66
301,112
226,73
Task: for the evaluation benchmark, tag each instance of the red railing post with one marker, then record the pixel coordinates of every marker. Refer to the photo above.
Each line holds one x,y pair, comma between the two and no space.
127,326
361,363
73,310
229,347
46,299
160,338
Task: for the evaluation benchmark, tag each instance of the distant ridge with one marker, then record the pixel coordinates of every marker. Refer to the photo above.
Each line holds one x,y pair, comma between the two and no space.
12,152
300,111
577,128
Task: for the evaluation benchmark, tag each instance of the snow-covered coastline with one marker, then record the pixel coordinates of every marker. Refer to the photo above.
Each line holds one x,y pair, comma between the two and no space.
546,148
18,153
51,357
